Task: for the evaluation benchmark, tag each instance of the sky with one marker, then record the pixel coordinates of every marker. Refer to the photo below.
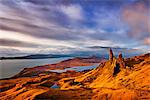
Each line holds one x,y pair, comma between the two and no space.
65,26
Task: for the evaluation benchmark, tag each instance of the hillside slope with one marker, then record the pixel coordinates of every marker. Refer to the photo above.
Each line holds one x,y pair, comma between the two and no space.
114,79
117,78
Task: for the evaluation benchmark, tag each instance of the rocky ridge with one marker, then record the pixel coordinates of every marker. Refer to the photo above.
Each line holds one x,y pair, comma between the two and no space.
117,78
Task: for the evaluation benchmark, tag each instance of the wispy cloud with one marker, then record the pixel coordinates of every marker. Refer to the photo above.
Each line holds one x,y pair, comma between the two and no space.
147,41
51,24
137,17
14,43
75,12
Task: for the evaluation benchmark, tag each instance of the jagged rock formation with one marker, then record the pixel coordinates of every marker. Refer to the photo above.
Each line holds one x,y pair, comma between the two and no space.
113,81
120,60
111,54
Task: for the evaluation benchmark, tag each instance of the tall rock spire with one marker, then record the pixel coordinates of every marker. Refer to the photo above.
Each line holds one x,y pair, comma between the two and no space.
111,54
121,61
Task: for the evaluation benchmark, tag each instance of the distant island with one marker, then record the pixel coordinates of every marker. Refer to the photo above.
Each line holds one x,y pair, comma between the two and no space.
37,56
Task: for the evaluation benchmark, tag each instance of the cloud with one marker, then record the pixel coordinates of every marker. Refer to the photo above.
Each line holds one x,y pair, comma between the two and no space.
7,51
75,12
14,43
109,20
51,24
137,16
39,20
147,41
31,39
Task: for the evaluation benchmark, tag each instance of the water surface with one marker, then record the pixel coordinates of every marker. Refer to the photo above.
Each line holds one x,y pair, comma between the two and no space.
55,86
76,68
9,68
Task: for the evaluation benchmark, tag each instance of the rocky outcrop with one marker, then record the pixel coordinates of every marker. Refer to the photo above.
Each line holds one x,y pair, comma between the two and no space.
120,61
111,54
113,81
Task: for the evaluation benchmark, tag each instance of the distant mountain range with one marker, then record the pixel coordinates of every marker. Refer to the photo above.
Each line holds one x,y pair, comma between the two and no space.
94,51
36,56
